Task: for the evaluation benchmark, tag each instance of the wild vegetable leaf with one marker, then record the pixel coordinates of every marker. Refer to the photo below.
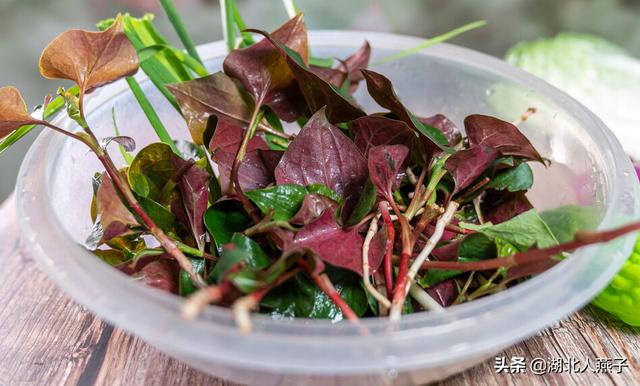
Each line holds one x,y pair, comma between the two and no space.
13,111
566,221
316,91
524,231
284,200
500,206
514,180
465,166
445,292
477,246
223,219
362,207
160,274
444,124
330,243
241,250
348,70
152,168
256,170
158,213
97,58
500,135
381,89
313,205
385,163
194,193
116,219
264,71
371,131
322,154
215,94
185,282
228,137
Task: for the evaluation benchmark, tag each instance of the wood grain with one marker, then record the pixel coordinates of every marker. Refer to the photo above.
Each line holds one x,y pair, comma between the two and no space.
47,339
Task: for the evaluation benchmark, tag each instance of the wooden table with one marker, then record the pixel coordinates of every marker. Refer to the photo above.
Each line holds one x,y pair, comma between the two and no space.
47,339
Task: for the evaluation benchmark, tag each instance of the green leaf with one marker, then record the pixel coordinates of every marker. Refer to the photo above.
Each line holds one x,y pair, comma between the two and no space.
285,200
435,276
478,246
275,123
514,179
565,221
366,202
241,250
151,170
524,231
178,60
300,297
223,219
186,284
158,213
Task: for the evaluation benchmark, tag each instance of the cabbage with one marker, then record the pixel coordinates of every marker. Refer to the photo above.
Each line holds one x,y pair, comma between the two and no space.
599,74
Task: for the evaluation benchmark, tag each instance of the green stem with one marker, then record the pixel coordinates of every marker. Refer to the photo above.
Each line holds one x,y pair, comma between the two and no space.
151,114
431,42
247,38
181,30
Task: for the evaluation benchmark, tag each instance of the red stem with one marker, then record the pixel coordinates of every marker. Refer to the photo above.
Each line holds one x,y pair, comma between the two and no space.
325,284
533,255
388,263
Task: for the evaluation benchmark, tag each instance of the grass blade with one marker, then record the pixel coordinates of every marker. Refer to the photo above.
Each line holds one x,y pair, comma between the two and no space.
247,38
228,24
431,42
291,7
151,114
181,30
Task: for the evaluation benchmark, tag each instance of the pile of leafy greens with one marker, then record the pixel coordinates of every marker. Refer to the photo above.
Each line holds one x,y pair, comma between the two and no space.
353,215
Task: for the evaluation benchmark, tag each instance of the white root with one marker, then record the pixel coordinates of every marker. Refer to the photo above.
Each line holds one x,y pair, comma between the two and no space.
373,228
194,304
396,309
412,177
424,299
241,309
526,115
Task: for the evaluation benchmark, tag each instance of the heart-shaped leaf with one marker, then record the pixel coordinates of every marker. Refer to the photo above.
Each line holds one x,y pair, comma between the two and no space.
256,169
228,137
215,94
465,166
381,90
371,131
115,218
194,193
151,169
384,165
264,71
348,69
13,111
322,154
317,92
330,243
500,206
500,135
91,59
223,219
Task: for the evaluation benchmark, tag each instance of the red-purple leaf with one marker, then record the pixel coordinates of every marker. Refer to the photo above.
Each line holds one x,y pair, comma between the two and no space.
500,206
381,90
316,91
322,154
13,111
371,131
355,63
448,252
465,166
215,94
313,205
160,274
444,124
264,71
228,137
115,217
500,135
384,164
194,191
255,171
330,243
445,293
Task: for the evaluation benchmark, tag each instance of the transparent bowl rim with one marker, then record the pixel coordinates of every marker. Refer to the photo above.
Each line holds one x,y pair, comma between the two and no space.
490,316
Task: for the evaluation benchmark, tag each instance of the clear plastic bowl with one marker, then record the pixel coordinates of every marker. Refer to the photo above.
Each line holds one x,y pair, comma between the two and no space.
589,168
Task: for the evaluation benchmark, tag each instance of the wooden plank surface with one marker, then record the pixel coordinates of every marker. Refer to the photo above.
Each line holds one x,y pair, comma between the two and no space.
47,339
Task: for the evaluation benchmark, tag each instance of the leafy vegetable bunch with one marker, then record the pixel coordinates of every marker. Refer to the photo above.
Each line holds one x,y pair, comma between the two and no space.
353,215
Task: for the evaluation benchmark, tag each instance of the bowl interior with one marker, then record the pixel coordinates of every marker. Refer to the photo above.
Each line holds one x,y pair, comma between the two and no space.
588,168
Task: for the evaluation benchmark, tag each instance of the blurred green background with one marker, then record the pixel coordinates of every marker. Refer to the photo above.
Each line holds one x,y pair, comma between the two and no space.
27,25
